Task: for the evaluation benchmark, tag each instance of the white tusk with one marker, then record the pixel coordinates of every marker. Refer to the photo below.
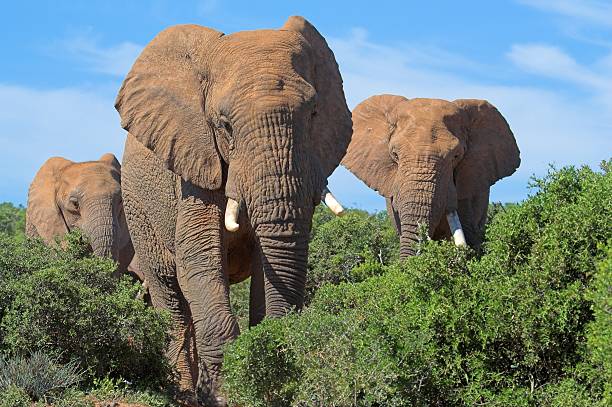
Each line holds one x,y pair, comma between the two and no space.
231,215
455,228
332,203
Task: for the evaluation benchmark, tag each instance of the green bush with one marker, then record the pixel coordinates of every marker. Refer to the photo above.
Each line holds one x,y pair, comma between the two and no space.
66,302
13,396
350,248
39,375
12,220
527,323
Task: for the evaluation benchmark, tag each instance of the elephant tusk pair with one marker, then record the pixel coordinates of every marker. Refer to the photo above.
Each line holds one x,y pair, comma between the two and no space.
332,203
233,207
455,228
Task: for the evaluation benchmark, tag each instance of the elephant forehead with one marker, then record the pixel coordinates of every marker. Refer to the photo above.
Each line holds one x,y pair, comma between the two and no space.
94,175
262,44
432,110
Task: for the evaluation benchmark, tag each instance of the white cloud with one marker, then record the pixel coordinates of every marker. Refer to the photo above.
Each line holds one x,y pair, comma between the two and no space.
592,11
553,62
38,124
115,60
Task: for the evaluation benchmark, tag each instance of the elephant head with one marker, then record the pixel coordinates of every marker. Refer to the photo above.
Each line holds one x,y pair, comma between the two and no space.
431,158
257,115
65,195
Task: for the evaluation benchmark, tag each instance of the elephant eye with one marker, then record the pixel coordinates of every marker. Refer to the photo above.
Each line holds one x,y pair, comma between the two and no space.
393,155
225,125
74,203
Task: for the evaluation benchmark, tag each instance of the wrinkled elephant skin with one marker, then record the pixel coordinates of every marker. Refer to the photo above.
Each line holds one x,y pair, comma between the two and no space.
254,121
434,161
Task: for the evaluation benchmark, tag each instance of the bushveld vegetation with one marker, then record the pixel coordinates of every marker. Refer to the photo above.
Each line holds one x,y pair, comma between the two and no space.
526,322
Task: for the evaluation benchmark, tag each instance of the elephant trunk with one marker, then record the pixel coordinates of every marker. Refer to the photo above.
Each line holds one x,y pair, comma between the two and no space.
284,257
413,214
420,202
102,229
278,192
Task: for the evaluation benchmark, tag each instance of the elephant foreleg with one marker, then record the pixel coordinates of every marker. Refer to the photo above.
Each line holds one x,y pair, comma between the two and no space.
202,278
158,268
257,296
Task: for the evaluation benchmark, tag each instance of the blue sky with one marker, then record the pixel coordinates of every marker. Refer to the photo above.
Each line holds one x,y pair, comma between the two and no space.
546,65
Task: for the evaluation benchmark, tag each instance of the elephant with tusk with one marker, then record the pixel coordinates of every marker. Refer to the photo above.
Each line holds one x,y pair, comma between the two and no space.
230,142
434,161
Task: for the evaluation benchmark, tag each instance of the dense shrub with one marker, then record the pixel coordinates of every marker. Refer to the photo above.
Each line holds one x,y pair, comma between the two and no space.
64,301
13,396
350,248
528,323
12,220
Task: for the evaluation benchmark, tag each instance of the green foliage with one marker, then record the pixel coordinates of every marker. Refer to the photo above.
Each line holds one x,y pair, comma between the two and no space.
66,302
39,375
12,220
13,396
239,301
350,248
598,365
527,323
108,388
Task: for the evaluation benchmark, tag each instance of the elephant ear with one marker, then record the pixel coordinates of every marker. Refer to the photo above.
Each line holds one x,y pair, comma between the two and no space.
43,216
110,159
162,103
491,152
368,156
331,126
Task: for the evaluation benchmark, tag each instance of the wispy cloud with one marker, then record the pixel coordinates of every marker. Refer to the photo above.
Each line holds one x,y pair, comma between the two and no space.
592,11
551,61
115,60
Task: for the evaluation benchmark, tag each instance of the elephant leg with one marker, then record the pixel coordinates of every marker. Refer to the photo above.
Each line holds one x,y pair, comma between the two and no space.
201,267
257,294
158,267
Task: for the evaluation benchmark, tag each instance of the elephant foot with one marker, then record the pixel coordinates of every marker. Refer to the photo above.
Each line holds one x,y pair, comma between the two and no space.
187,398
209,392
212,400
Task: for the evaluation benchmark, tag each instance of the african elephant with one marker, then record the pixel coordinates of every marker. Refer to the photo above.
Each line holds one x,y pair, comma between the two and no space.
65,195
241,131
430,158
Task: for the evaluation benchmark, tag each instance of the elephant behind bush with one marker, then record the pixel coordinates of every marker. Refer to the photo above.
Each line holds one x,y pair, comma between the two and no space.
67,195
434,161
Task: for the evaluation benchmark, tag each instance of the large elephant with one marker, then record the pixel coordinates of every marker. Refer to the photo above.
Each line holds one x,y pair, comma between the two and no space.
240,131
430,158
65,195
